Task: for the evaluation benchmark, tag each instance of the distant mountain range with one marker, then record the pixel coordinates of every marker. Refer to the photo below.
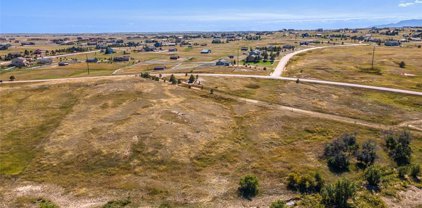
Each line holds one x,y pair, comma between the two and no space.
404,23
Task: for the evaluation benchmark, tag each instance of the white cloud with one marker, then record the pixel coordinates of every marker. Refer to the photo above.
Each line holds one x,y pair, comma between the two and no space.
407,4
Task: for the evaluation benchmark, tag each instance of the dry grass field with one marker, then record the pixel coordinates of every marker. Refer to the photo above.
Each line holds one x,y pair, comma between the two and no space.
353,64
82,144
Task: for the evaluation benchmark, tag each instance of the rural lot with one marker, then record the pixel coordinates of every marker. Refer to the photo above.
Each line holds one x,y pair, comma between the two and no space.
177,120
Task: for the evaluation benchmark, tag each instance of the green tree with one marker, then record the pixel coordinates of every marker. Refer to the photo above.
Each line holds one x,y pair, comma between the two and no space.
191,79
248,186
402,64
173,79
337,195
398,146
278,204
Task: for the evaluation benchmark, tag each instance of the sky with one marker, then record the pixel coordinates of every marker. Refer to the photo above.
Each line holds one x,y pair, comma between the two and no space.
100,16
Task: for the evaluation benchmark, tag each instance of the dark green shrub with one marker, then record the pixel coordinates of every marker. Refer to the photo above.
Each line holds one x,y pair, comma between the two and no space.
248,186
173,79
337,195
402,64
402,171
191,79
367,155
398,146
338,163
373,176
415,170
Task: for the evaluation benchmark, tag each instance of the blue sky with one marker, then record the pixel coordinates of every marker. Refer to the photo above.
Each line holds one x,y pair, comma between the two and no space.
66,16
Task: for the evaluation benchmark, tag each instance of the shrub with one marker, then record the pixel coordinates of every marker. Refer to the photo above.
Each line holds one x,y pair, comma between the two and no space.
398,146
402,172
415,170
402,64
43,203
337,195
338,163
306,183
12,78
248,186
345,143
278,204
367,155
117,203
373,176
191,79
145,75
173,79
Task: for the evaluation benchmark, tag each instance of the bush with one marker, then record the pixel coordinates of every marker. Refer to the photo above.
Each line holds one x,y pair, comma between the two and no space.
402,172
415,170
402,64
398,146
345,143
306,183
12,78
117,203
337,195
278,204
145,75
173,79
191,79
373,176
367,155
43,203
338,163
248,186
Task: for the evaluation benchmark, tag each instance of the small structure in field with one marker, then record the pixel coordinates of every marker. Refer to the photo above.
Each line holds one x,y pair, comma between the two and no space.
206,51
44,61
172,49
392,43
92,60
63,63
222,62
121,58
159,68
174,57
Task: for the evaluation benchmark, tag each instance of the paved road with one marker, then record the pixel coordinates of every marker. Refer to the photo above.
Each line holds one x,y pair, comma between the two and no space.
278,71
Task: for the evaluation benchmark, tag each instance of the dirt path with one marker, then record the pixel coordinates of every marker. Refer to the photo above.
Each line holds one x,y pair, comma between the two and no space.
278,71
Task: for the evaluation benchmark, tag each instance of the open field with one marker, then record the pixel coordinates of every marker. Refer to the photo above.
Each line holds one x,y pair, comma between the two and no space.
86,143
353,65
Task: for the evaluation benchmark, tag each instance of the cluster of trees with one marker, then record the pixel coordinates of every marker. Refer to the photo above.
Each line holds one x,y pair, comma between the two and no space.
339,151
398,146
146,75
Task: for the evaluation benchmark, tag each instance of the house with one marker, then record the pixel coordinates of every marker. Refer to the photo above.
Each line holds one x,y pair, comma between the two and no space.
121,58
63,63
392,43
288,47
38,51
222,62
174,57
159,68
302,43
206,51
217,41
92,60
244,49
4,46
44,61
19,62
149,48
254,56
172,49
109,50
158,44
27,43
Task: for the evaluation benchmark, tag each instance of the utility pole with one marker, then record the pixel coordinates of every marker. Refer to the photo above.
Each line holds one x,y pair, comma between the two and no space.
87,63
373,58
